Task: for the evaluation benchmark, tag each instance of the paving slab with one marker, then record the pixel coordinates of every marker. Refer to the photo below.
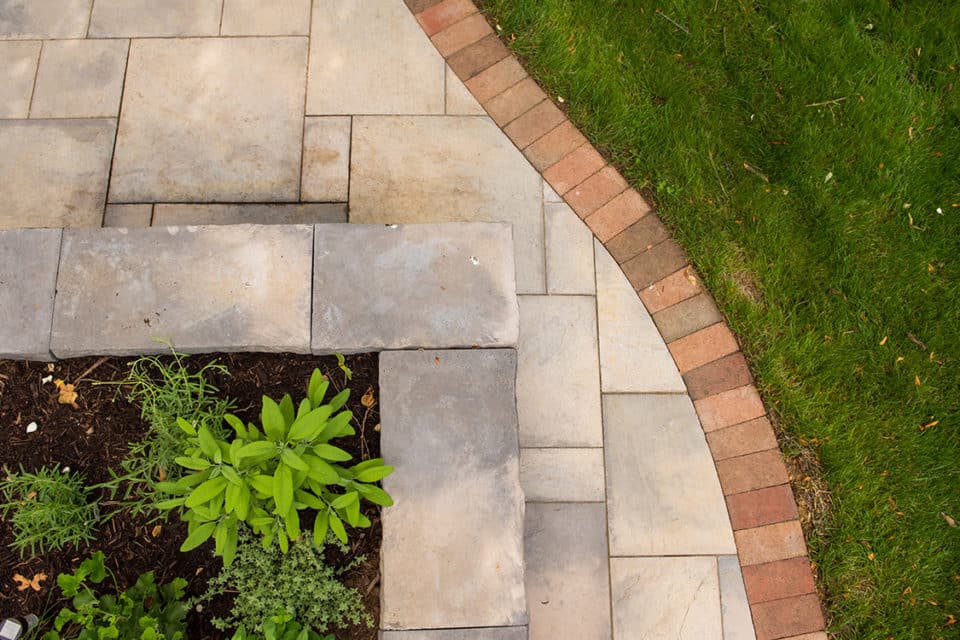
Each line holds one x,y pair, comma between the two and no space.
177,214
80,79
460,102
633,356
355,66
151,19
567,576
128,215
558,390
737,622
199,288
211,120
562,475
569,244
436,169
663,495
266,18
326,159
417,286
452,553
28,278
490,633
44,19
54,173
665,599
18,67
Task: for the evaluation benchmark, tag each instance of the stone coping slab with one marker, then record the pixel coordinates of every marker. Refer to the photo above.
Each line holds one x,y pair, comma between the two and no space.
28,279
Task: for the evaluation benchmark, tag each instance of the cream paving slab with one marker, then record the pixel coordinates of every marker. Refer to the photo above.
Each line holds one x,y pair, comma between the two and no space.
663,494
28,274
490,633
460,102
326,159
665,599
562,475
310,213
128,215
408,169
18,68
265,18
633,356
558,390
567,576
53,173
569,242
80,79
43,19
371,57
737,621
155,18
211,120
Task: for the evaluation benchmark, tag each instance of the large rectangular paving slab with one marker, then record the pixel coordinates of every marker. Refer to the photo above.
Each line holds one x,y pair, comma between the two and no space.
150,18
176,214
54,173
356,64
663,495
452,554
567,578
43,19
28,277
490,633
18,67
211,120
224,288
397,287
435,169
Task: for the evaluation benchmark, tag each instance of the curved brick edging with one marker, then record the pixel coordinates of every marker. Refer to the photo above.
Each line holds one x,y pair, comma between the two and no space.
776,570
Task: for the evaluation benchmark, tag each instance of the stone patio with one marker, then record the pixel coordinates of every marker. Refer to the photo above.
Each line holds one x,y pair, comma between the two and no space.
129,113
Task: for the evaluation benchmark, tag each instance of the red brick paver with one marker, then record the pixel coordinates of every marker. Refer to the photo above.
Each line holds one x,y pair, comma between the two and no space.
576,167
554,146
478,57
596,191
742,439
534,123
752,471
770,543
496,79
675,288
761,506
617,215
515,101
778,580
724,374
702,347
444,14
728,408
774,620
461,34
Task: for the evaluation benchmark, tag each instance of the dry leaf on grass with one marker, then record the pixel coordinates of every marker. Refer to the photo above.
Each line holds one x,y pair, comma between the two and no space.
950,521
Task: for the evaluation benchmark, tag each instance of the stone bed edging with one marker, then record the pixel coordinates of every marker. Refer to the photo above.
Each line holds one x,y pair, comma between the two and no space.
777,573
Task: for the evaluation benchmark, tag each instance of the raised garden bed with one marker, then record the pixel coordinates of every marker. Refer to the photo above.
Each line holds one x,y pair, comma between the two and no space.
93,437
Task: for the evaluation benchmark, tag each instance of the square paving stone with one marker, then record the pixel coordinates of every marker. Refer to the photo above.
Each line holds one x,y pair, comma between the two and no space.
80,79
558,379
562,475
665,599
434,169
211,120
326,159
567,578
174,214
663,495
570,261
633,356
53,173
28,277
356,67
44,19
18,67
431,286
452,554
202,289
266,18
150,18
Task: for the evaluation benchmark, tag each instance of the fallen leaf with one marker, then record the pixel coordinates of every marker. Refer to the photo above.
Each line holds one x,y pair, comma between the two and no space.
68,394
929,425
951,620
950,521
368,400
916,380
884,341
377,427
907,591
34,583
156,531
871,556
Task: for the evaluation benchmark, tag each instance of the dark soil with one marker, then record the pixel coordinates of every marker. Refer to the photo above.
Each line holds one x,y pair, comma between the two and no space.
92,439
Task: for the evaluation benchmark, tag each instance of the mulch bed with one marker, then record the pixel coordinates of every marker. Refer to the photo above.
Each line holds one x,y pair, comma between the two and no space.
93,439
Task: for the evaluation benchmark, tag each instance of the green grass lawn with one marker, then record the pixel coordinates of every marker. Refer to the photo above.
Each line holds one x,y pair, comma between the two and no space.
840,242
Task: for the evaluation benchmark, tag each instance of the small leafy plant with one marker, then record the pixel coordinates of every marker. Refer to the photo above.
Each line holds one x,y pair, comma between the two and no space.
48,509
266,476
282,627
144,611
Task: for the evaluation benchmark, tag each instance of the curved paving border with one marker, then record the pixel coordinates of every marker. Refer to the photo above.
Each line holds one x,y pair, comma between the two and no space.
776,570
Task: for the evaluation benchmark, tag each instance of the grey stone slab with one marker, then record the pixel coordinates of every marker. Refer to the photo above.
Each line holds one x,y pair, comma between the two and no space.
266,18
54,173
211,120
562,475
128,215
398,287
176,214
665,599
567,576
18,67
734,606
80,79
663,495
202,289
44,19
569,244
490,633
452,553
355,65
633,356
149,18
28,278
558,378
436,169
326,159
460,102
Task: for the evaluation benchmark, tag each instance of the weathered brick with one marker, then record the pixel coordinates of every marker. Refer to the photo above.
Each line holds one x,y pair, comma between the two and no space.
752,471
770,543
724,374
416,6
574,169
742,439
554,146
782,618
637,238
728,408
461,34
778,580
497,78
477,57
688,316
618,214
706,345
515,101
534,123
675,288
440,16
763,506
596,191
654,264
